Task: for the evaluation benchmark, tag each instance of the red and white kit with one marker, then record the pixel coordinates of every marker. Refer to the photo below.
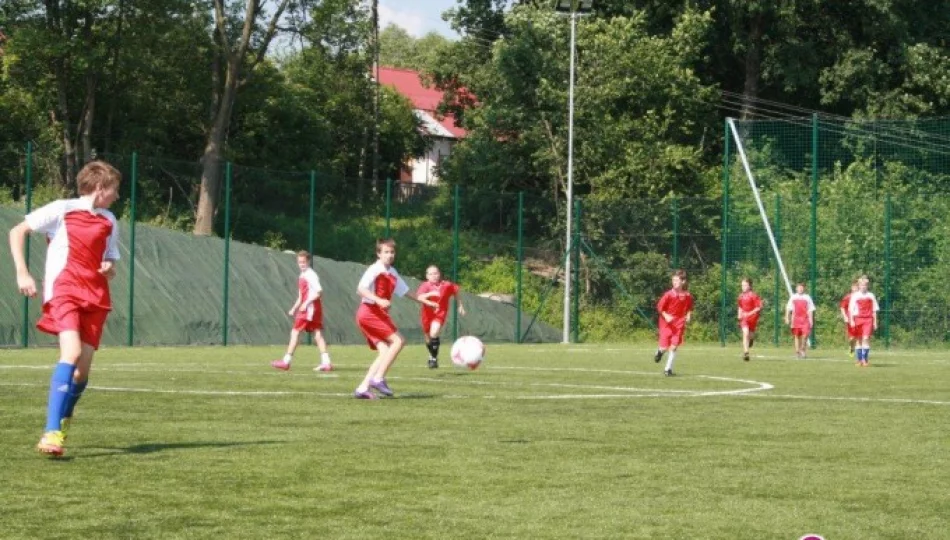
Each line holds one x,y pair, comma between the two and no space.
801,306
846,306
75,294
445,291
312,318
373,320
862,307
677,304
747,302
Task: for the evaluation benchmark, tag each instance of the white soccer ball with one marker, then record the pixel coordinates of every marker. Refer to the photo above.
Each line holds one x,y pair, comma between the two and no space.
468,352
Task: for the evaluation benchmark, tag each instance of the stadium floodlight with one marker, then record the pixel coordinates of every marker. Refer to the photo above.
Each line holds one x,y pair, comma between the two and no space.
573,8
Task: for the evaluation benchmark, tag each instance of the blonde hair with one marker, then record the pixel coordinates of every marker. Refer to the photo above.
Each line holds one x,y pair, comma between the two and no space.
97,174
303,253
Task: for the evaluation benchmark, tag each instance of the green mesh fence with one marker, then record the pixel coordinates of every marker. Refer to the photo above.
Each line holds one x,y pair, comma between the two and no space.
844,199
235,285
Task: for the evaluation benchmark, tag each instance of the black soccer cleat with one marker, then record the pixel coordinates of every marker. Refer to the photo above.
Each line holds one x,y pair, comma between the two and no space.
668,373
745,356
658,356
433,363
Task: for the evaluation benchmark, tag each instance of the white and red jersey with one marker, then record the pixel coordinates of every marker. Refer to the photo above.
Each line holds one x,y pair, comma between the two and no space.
308,284
383,282
676,303
863,305
444,290
801,306
845,304
80,239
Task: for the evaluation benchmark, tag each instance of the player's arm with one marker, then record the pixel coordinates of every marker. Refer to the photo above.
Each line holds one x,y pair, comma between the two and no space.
107,267
689,315
458,301
369,295
293,308
422,299
24,280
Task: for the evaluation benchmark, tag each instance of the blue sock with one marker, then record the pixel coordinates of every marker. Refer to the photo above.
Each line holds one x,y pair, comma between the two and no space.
75,392
867,353
58,392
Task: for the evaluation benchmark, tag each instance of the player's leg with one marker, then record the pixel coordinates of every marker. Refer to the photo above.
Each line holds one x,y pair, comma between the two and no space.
325,364
70,349
671,357
433,341
745,342
362,391
663,343
284,363
394,345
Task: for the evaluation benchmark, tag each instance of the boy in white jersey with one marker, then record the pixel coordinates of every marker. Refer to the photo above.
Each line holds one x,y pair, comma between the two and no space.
307,312
83,247
862,310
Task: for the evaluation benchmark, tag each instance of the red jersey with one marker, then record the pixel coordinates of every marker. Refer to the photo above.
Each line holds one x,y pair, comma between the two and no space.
801,306
845,303
80,239
308,285
863,305
677,304
749,301
383,282
444,290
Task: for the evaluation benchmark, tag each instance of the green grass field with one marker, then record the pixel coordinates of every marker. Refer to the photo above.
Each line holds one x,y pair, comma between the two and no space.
542,442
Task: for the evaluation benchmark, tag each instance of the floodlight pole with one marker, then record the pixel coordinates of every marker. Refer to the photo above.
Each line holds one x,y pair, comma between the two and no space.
570,184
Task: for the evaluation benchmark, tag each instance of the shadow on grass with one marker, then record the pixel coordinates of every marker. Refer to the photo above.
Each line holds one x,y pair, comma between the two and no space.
151,448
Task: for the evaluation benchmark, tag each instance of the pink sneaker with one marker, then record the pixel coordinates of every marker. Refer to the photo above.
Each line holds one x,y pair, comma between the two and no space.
324,367
280,364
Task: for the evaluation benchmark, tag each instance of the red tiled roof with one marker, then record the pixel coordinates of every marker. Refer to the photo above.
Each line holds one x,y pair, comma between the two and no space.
408,83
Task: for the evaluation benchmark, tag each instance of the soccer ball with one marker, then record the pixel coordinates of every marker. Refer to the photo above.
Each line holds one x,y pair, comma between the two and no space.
468,351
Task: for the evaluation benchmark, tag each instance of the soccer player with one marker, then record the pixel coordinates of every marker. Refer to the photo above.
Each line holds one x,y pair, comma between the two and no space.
433,320
307,312
675,308
863,310
376,288
750,305
850,331
800,316
80,260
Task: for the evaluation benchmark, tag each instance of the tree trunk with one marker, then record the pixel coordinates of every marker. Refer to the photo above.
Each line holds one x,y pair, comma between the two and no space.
62,116
211,159
89,115
753,67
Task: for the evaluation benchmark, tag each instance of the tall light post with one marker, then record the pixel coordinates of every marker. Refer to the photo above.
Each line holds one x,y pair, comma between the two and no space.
573,8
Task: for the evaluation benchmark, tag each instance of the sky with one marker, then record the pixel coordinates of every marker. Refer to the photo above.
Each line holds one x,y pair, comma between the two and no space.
418,17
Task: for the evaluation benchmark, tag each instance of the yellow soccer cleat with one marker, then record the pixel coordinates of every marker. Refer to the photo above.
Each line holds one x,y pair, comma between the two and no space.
52,443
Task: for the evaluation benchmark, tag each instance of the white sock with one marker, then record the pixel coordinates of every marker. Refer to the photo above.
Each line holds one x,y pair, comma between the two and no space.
669,360
288,358
324,358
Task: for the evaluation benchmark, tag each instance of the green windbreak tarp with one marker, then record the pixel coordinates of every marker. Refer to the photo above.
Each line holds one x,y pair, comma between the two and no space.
179,295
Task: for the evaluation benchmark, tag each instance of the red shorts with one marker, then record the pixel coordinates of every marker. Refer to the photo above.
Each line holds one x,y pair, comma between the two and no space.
302,324
863,328
670,336
428,316
853,332
801,331
62,314
375,324
751,322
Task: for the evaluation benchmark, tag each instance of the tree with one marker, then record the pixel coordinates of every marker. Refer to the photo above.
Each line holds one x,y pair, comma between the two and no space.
241,44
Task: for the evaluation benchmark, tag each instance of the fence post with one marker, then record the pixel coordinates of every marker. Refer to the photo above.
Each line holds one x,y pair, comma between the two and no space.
518,268
312,215
130,329
813,244
676,233
25,335
389,205
776,299
887,271
575,317
227,250
725,235
455,263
